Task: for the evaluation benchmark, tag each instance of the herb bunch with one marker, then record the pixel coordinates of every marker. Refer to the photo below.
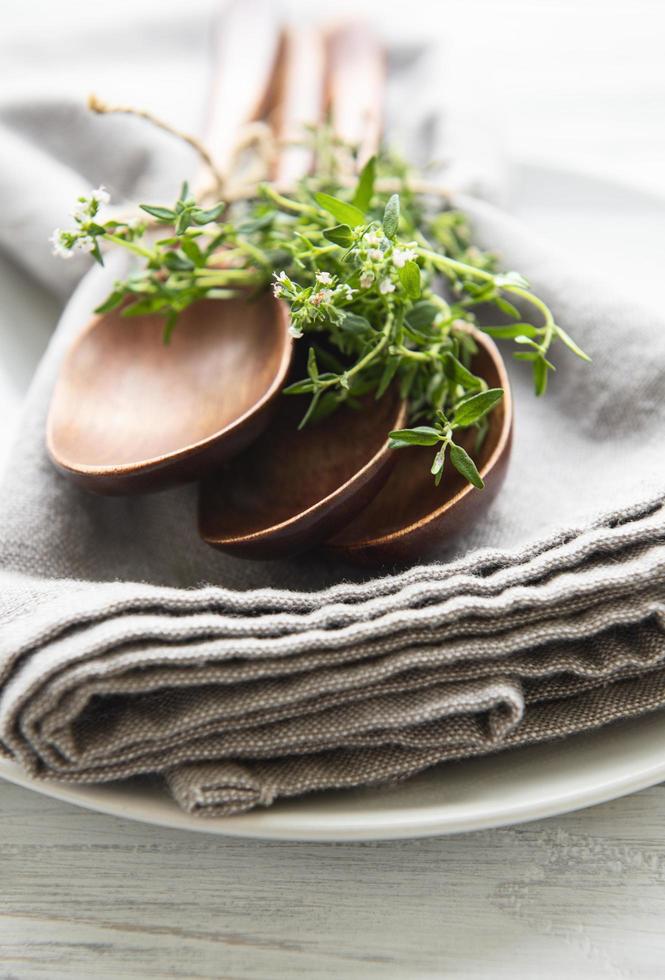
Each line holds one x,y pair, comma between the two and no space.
382,284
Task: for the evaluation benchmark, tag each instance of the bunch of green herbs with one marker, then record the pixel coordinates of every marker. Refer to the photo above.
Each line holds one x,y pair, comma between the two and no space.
383,284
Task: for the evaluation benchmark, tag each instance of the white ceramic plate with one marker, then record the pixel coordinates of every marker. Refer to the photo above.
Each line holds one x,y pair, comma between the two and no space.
512,787
610,226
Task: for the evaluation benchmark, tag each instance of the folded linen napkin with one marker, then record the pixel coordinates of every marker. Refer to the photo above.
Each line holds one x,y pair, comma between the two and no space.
127,646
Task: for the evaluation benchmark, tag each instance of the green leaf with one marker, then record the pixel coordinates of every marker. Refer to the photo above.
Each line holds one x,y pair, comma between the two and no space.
540,369
346,214
177,263
183,221
437,465
471,409
570,343
389,373
204,217
97,254
328,359
456,371
391,216
422,435
311,410
312,366
192,251
184,191
162,214
151,304
325,406
111,302
507,307
256,223
303,387
527,341
422,315
356,324
365,187
407,379
465,466
511,331
409,276
339,235
171,320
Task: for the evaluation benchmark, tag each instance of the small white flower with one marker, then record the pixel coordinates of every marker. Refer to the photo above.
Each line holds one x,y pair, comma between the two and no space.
84,243
510,279
282,281
366,280
60,243
345,291
100,195
386,286
323,296
295,332
372,238
401,256
375,254
87,207
324,277
80,211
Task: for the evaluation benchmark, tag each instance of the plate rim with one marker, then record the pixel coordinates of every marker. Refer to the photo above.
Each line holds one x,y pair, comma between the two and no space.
155,808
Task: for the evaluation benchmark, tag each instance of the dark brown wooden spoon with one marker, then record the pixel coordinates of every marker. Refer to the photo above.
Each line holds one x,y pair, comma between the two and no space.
355,87
246,41
298,101
292,489
130,414
410,517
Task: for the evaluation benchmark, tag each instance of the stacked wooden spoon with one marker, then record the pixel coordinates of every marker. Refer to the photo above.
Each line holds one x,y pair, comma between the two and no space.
130,415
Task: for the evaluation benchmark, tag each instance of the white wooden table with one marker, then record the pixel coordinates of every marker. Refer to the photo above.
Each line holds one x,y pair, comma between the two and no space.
576,83
84,895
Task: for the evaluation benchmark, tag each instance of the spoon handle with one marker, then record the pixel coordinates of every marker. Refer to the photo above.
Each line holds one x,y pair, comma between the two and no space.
356,78
299,101
246,39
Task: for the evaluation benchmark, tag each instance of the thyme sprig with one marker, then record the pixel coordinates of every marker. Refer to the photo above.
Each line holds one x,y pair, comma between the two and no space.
383,286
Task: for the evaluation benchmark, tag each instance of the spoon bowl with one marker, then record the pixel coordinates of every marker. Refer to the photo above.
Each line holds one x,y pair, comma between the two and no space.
293,489
130,414
410,517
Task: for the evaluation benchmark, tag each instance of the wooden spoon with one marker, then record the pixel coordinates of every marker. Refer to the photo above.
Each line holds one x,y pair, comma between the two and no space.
291,490
298,95
130,415
355,86
246,43
411,517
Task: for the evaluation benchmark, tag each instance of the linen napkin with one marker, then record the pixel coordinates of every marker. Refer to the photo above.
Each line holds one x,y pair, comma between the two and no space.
129,647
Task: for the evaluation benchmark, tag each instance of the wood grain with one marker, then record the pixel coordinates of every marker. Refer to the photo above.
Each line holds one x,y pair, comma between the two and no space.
291,489
87,895
131,414
411,517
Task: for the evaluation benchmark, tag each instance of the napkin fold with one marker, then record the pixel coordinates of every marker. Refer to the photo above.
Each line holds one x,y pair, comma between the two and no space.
129,647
